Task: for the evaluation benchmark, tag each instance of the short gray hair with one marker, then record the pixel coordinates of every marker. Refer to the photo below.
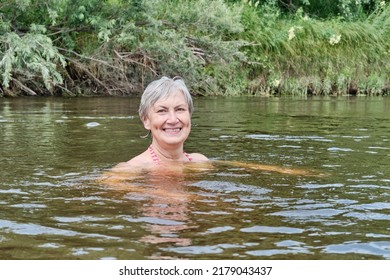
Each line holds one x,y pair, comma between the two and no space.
162,88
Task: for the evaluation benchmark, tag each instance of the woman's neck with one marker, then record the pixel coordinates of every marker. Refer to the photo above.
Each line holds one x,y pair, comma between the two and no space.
168,153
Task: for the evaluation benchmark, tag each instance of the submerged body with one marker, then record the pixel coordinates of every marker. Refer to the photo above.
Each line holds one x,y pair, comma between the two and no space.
165,110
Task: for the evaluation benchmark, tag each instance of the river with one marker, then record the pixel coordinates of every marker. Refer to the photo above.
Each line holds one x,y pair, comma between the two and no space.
54,149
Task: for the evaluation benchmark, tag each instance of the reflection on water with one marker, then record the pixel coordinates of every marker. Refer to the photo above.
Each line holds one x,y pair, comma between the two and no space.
336,207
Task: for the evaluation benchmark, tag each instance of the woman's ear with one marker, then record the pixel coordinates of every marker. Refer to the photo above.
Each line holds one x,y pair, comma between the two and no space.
146,123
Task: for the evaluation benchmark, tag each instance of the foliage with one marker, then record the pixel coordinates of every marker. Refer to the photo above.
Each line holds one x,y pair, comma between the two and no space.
115,47
29,59
299,54
321,9
181,39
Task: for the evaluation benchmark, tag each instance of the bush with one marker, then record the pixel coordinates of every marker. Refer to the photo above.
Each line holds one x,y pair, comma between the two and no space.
298,54
29,60
115,47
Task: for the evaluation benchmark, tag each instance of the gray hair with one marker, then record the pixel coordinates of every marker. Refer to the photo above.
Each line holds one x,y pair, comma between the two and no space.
162,88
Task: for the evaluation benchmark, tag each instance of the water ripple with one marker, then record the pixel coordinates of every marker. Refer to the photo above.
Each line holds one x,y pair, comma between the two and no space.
198,250
372,206
29,206
336,149
229,187
78,219
152,220
287,137
368,216
266,229
34,229
378,248
219,229
318,186
273,252
13,191
303,214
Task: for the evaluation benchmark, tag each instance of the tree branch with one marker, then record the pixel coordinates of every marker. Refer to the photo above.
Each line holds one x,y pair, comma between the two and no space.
26,89
89,58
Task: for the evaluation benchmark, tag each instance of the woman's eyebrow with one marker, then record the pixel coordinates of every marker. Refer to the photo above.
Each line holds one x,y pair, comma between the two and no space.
161,106
166,107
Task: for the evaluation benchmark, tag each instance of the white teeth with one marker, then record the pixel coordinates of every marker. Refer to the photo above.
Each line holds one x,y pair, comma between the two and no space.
172,130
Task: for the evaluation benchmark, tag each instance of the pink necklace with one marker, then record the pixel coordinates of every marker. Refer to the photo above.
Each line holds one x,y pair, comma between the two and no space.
156,159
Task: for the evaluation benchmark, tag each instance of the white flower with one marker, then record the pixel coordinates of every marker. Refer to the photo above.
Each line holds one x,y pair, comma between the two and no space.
276,82
334,39
382,4
291,33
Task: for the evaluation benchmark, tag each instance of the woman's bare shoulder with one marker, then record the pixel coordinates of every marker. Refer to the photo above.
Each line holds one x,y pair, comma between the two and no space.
136,162
196,157
124,166
121,173
133,166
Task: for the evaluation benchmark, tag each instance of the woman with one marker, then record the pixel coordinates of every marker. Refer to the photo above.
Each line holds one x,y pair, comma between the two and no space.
165,110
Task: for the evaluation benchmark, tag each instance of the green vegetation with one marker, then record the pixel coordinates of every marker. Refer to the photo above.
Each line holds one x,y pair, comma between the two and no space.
115,47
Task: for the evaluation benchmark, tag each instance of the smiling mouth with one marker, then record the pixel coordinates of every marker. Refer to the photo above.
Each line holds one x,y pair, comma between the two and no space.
172,130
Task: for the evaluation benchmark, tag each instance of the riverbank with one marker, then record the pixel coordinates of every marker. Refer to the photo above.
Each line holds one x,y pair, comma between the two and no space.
112,48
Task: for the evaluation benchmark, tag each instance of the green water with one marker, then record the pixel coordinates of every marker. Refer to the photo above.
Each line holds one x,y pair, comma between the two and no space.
52,150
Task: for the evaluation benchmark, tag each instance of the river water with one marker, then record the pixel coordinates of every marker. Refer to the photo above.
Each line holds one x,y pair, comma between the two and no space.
54,149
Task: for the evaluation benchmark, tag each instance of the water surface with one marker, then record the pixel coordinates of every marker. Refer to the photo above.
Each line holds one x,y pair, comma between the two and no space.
52,207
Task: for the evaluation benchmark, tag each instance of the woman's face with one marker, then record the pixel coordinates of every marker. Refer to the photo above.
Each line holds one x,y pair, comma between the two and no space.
169,120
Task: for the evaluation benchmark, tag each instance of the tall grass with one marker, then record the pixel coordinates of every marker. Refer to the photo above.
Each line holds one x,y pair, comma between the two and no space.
302,55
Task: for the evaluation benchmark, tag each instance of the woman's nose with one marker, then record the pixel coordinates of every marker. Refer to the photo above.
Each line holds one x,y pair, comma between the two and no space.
172,117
